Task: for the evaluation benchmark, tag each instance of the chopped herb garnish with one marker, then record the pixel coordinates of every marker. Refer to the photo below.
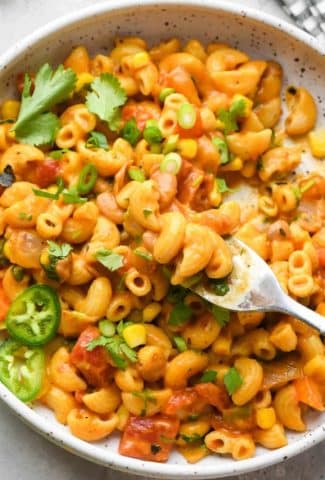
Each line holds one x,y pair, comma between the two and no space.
176,294
143,254
147,212
56,252
46,194
220,314
155,448
136,174
191,438
191,281
111,260
219,287
97,140
146,396
208,376
232,380
179,315
223,187
105,99
58,154
17,272
180,343
117,349
36,124
25,216
230,117
151,132
223,150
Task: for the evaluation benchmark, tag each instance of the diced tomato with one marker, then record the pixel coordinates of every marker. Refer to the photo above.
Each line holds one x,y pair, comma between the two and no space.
184,403
141,112
213,394
321,257
149,438
4,304
46,172
308,392
93,364
194,132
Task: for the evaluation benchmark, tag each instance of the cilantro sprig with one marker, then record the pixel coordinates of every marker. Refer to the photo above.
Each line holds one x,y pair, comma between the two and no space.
232,380
105,99
230,117
56,252
117,348
36,124
111,260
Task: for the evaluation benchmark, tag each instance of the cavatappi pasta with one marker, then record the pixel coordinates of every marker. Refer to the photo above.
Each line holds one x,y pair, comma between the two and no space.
115,176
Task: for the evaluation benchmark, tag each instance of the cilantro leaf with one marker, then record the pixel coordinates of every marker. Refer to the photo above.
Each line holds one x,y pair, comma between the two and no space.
208,376
25,216
179,315
56,252
36,125
220,314
147,396
7,177
146,212
219,286
223,187
176,294
97,140
106,97
223,150
117,349
180,343
111,260
230,117
58,154
232,380
191,438
143,254
136,174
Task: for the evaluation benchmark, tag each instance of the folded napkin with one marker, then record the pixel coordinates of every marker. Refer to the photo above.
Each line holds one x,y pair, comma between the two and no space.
308,14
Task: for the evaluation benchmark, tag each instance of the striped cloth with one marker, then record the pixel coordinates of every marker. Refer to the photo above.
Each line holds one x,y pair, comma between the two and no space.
308,14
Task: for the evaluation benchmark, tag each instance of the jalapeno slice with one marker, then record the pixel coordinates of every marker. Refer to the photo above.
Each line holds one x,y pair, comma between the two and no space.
34,316
22,369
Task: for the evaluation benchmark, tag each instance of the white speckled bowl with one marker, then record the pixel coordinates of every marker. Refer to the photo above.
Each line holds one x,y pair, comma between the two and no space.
259,34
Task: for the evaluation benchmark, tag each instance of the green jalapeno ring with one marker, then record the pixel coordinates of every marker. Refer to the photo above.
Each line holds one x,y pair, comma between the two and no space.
87,179
22,369
34,316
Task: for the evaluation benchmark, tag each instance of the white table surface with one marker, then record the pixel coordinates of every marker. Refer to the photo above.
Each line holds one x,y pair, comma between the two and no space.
24,455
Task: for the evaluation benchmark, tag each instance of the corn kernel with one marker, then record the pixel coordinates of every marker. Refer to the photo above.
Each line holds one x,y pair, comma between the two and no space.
233,166
6,250
10,109
140,60
135,335
82,80
151,311
265,418
317,143
44,258
187,147
215,198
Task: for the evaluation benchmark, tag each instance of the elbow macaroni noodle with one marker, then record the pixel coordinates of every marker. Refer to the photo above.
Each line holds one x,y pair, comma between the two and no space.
146,231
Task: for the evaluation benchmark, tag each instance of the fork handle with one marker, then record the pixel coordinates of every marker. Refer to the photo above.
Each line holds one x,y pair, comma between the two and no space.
291,307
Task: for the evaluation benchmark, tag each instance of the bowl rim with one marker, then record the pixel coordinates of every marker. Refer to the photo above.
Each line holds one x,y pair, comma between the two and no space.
54,432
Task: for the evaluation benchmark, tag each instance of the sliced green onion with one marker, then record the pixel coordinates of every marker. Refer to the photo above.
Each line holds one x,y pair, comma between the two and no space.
165,93
46,194
170,144
97,140
130,132
107,328
72,196
186,116
193,280
87,179
136,174
171,163
222,148
151,132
